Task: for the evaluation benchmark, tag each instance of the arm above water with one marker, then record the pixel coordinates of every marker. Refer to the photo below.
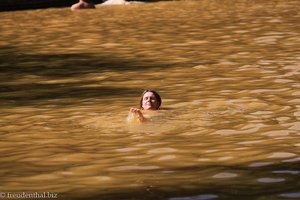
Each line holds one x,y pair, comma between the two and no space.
135,113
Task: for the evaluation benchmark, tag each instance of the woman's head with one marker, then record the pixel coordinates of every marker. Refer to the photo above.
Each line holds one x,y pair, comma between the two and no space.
150,100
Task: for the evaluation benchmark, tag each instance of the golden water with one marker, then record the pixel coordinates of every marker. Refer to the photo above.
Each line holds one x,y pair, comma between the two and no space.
229,76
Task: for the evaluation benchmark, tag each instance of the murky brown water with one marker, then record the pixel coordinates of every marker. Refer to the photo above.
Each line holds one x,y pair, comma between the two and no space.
228,73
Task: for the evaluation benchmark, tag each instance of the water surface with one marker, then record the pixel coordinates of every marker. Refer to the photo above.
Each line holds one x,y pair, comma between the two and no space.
228,73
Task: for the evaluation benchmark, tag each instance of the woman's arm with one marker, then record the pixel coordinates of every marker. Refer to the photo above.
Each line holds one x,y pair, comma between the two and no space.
137,114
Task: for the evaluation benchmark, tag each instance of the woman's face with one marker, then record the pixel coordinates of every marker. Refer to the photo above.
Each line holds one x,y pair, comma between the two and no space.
149,101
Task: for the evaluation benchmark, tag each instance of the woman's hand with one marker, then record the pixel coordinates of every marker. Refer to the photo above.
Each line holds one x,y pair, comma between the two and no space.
137,114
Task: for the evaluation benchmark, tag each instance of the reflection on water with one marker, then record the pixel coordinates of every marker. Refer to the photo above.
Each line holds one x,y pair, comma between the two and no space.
229,76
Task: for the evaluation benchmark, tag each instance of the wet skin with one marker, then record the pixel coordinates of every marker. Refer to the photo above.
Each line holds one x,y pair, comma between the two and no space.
149,102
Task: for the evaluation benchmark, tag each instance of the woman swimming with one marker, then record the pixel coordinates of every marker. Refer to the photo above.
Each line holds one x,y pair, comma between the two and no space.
150,100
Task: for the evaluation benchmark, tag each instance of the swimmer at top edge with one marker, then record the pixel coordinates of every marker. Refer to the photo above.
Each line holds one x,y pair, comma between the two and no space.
83,4
150,100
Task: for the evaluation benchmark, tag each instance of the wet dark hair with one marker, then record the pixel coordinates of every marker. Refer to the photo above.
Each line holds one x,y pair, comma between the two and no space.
156,96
